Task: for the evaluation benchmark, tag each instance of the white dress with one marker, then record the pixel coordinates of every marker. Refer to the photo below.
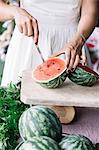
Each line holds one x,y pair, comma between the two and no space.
57,20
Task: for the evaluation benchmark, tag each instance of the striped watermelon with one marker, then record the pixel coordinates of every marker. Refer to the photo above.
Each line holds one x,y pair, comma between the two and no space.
51,73
76,142
40,121
83,76
39,143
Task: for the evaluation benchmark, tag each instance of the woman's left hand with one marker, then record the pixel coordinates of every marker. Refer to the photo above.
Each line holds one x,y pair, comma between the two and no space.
73,53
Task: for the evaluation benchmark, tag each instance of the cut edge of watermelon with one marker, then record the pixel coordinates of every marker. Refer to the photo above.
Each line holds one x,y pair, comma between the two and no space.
87,69
46,81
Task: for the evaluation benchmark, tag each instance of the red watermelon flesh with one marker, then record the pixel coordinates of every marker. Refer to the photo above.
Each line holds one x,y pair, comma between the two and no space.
49,69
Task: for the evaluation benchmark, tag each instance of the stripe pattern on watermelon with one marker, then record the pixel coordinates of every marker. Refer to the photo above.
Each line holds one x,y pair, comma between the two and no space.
55,82
83,77
39,143
40,121
76,142
51,73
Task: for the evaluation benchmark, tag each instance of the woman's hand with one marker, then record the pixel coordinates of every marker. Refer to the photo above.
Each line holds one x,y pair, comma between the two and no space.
26,23
73,53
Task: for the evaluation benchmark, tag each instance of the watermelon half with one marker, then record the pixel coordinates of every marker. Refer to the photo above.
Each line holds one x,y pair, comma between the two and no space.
40,121
39,143
76,142
51,73
83,76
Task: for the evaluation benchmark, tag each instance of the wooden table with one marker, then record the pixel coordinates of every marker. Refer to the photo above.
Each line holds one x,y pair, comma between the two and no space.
69,95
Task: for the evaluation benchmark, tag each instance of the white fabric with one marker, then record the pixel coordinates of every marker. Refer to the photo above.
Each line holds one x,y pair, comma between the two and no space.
57,20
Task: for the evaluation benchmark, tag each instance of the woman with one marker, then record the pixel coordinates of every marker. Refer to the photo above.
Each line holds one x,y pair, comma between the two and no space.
57,26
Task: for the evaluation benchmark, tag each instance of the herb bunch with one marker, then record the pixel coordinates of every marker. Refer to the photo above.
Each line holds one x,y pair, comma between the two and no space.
11,109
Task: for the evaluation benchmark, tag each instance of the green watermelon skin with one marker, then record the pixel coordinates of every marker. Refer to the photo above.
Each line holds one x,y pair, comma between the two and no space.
40,121
76,142
56,82
39,143
83,77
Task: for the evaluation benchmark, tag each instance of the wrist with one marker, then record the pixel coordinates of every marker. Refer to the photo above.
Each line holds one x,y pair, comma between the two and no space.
14,11
7,11
78,39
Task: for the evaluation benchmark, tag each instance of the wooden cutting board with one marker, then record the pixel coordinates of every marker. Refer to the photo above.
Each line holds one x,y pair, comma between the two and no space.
69,94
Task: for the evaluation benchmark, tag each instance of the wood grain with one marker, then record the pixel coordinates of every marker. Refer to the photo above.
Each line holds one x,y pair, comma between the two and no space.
69,94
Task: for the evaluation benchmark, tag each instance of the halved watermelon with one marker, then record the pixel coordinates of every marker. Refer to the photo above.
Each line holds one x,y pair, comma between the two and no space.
51,73
83,76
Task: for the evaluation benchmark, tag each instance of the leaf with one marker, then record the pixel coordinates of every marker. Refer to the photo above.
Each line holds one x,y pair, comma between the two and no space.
11,109
2,29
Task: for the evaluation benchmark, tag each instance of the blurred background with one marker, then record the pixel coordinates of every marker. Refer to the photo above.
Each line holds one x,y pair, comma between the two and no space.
6,31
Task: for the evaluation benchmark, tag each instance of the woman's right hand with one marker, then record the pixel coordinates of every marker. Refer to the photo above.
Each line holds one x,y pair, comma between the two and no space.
26,23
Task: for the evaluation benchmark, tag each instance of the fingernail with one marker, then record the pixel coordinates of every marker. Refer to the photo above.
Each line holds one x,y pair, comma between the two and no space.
68,71
35,41
84,64
72,69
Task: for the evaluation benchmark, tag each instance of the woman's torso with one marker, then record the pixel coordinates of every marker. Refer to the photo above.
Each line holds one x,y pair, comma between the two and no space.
53,10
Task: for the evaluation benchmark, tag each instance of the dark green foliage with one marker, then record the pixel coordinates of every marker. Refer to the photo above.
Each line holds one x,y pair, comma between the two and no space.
1,69
2,29
10,110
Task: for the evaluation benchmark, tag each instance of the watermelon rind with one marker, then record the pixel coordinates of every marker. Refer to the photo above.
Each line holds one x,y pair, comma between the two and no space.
40,121
82,77
55,82
39,143
76,142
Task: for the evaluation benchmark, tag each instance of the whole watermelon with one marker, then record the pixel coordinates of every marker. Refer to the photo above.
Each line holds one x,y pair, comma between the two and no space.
76,142
40,121
83,76
39,143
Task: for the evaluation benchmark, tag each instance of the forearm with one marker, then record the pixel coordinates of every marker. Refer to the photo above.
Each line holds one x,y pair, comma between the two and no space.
7,12
87,25
88,19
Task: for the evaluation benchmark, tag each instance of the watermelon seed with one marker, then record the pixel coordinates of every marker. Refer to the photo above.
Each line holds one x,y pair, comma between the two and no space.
48,66
58,69
48,74
40,68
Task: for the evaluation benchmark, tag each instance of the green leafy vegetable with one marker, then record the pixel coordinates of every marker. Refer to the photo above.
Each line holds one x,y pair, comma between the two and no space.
2,29
10,110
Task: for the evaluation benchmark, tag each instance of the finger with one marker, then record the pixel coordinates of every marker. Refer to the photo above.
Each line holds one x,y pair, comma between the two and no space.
36,31
25,29
20,28
67,55
72,60
83,57
30,28
77,60
57,54
84,60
